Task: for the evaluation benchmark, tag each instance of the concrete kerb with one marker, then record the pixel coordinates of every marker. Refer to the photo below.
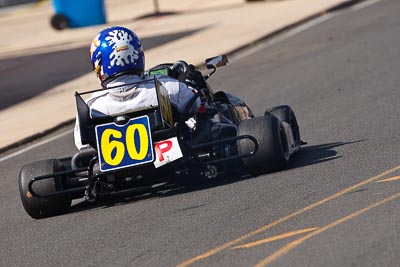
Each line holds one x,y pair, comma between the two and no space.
231,53
36,136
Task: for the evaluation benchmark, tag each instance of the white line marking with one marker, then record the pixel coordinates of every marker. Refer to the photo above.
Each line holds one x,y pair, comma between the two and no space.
285,36
365,4
300,29
19,152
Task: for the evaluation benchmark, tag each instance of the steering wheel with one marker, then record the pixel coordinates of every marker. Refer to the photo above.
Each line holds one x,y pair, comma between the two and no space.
179,67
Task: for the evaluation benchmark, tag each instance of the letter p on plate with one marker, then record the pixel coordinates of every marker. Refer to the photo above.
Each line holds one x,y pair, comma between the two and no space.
167,151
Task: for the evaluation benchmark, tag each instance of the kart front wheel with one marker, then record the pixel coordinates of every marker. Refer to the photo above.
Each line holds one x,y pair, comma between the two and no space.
36,207
286,114
273,151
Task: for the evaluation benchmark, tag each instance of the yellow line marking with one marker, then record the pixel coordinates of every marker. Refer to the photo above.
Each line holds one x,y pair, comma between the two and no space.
283,219
396,178
301,240
274,238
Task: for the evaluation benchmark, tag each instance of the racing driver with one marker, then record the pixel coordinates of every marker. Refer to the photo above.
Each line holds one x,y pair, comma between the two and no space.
118,60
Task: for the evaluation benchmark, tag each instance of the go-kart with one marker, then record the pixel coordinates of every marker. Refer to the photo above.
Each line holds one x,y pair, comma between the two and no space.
123,151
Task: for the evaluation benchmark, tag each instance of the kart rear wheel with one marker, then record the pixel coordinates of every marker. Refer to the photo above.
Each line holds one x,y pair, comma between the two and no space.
39,208
273,151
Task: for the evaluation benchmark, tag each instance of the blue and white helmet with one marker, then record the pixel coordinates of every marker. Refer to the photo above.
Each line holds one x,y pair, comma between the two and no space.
116,50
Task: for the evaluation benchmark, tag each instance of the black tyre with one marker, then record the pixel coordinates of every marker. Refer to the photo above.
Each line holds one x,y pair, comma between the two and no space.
285,113
42,207
273,152
59,22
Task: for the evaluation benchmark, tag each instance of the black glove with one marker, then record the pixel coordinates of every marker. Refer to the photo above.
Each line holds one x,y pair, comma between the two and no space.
194,78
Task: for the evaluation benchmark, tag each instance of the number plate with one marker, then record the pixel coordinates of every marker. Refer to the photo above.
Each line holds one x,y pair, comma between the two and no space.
121,146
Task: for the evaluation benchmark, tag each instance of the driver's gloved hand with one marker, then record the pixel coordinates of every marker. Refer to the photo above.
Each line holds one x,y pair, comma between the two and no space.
194,78
191,123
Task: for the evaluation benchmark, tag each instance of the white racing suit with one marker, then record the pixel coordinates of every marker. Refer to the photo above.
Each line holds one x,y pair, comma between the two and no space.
129,96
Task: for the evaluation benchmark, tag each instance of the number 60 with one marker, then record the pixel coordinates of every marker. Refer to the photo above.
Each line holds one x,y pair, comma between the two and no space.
108,145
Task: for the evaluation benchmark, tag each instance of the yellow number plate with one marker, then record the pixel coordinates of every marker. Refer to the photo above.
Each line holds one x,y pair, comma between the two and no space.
121,146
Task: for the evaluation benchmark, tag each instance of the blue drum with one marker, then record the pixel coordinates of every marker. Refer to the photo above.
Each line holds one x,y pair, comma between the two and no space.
77,13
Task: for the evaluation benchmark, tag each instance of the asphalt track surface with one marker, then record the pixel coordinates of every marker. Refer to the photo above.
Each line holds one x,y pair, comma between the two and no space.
337,204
